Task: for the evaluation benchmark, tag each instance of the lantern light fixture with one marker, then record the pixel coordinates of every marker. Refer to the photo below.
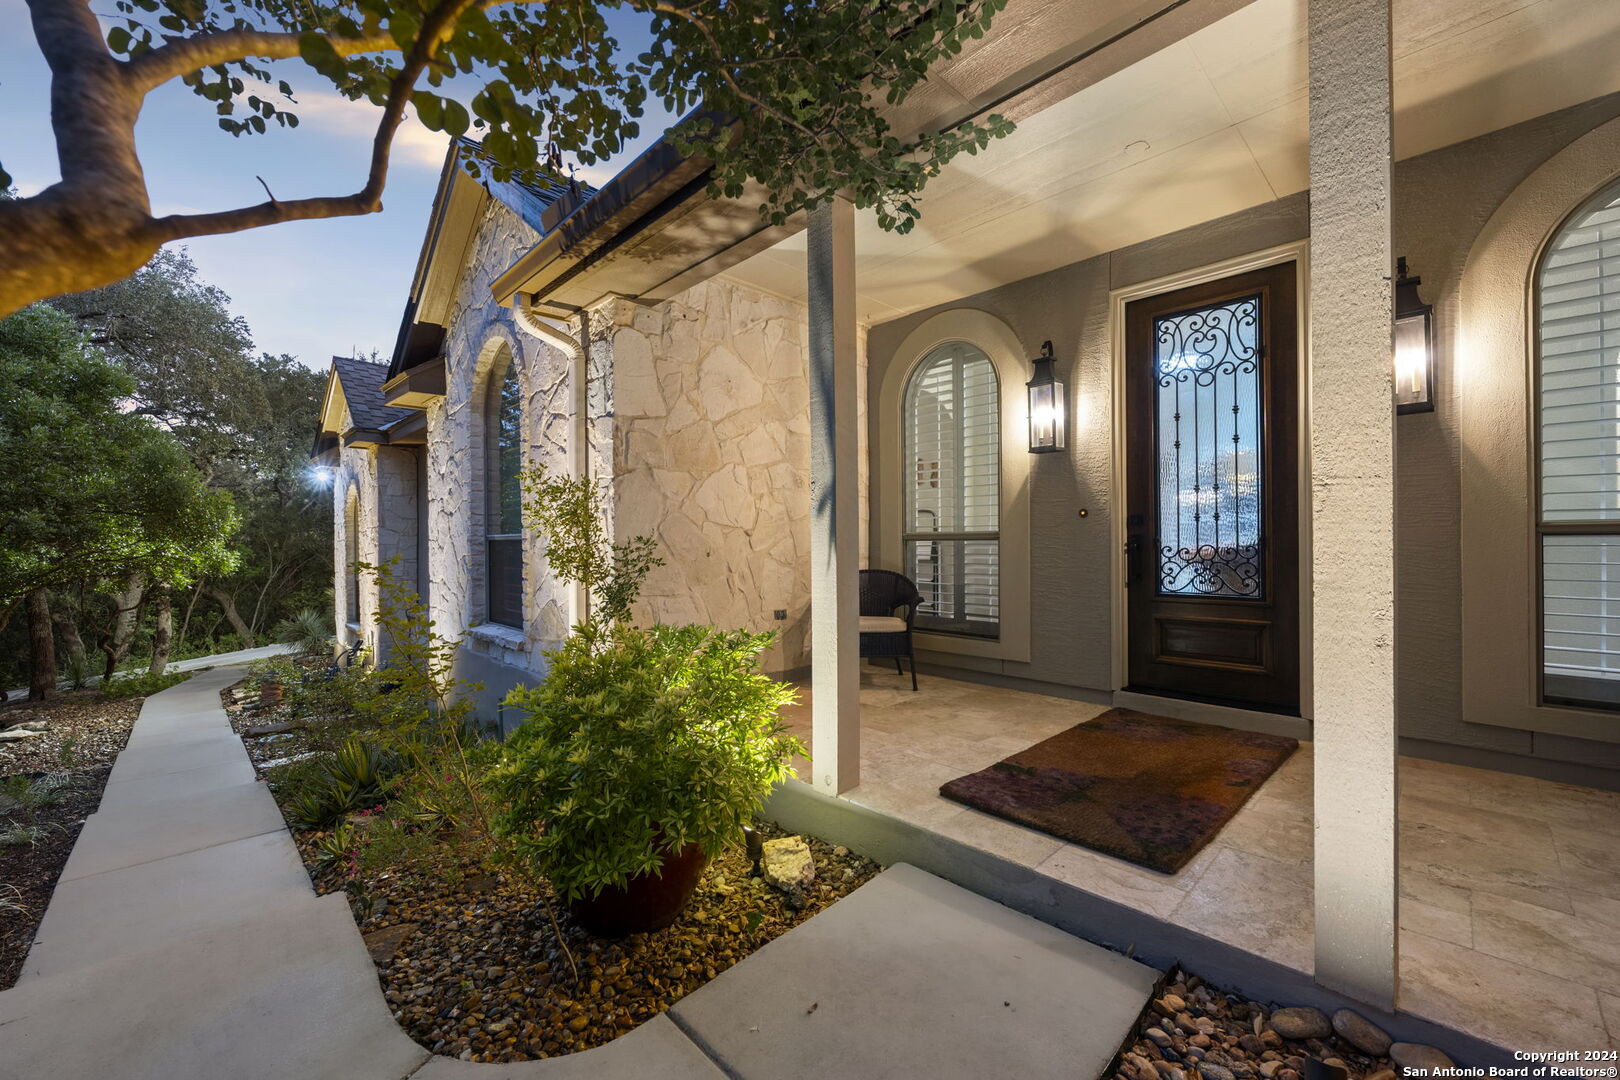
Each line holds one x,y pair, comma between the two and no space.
1047,403
1414,345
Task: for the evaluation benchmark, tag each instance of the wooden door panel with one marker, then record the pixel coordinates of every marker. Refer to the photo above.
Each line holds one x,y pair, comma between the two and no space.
1212,434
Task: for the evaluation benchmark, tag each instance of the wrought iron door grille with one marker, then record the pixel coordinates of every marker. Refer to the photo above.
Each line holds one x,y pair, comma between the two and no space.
1208,394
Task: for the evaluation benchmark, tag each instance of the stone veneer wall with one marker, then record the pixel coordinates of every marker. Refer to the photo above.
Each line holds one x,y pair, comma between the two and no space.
705,403
481,336
384,480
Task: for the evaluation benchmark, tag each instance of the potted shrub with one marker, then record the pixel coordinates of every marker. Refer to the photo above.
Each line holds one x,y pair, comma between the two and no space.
644,753
645,750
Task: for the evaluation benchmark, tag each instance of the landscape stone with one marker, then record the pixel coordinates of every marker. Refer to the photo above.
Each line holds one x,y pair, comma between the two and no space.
383,944
788,866
1411,1057
1361,1033
17,734
1301,1022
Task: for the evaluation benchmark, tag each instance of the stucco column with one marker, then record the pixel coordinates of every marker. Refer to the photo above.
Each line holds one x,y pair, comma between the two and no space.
835,744
1352,484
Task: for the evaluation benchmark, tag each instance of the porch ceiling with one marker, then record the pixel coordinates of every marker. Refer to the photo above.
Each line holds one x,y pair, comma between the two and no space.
1211,125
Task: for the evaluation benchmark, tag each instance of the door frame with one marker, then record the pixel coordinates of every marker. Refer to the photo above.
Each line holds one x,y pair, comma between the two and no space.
1297,252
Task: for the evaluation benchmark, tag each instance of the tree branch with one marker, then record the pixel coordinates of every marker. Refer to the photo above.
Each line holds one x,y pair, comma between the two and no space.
436,30
183,55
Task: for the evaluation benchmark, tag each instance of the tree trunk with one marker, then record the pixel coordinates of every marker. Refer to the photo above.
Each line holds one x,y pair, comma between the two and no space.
127,603
68,627
41,647
227,604
185,621
164,630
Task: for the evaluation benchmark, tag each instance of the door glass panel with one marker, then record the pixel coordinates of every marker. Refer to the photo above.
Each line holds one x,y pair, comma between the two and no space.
1207,393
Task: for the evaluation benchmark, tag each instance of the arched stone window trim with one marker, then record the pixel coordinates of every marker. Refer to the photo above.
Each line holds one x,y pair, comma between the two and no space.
351,556
497,586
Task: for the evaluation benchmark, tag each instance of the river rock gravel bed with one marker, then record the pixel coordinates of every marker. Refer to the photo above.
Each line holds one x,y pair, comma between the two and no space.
471,967
1194,1031
81,737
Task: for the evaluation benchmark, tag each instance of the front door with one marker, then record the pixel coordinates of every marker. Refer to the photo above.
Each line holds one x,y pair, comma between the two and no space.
1212,521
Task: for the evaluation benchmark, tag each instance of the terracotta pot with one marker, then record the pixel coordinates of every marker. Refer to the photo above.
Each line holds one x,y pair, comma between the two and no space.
647,901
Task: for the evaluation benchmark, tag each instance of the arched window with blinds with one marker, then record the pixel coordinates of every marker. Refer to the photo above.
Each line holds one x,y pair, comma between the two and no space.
504,516
952,485
1578,513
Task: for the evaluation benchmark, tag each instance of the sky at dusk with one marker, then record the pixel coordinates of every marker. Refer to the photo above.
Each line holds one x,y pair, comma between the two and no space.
310,288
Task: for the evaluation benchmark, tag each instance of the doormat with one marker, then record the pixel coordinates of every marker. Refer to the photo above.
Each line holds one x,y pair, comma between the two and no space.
1143,788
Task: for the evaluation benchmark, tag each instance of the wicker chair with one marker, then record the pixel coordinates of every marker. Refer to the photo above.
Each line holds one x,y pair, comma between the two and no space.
884,633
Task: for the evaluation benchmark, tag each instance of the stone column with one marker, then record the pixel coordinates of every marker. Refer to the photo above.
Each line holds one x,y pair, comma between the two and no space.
834,502
1352,483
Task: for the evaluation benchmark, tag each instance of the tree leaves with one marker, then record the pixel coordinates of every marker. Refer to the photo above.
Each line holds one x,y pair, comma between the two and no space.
793,98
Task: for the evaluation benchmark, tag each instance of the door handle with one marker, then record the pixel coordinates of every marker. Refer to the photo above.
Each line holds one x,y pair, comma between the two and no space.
1133,559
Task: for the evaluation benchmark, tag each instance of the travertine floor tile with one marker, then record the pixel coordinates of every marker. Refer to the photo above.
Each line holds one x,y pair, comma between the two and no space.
1610,1005
1259,904
1521,873
1497,999
1591,861
1142,889
1437,922
1568,946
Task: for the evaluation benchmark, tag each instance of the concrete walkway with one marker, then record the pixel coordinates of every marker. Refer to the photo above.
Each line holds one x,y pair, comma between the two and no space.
184,941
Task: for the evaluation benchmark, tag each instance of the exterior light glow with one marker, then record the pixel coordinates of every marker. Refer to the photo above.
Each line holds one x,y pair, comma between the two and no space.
1047,403
321,475
1414,345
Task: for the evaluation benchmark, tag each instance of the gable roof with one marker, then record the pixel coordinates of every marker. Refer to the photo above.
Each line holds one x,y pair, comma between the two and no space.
361,382
541,204
353,412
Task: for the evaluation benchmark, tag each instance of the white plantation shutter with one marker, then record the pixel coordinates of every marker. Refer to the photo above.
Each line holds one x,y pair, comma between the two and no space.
952,488
1579,398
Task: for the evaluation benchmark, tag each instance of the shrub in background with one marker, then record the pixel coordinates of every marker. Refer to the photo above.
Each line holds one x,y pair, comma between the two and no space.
309,632
143,685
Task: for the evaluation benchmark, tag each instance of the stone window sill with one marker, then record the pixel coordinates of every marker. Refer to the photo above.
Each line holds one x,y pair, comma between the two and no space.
507,637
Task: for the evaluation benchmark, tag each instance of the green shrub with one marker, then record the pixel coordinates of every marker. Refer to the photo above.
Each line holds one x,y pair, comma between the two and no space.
30,793
143,685
309,631
15,835
355,778
78,669
638,743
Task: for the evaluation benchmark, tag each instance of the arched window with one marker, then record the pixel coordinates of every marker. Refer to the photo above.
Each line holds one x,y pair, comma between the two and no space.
504,513
351,557
1578,513
952,485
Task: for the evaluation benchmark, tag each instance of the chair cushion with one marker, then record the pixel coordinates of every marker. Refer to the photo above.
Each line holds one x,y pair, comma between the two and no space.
882,624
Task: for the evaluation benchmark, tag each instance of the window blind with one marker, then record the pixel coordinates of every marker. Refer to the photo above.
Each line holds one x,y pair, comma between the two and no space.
953,491
1579,403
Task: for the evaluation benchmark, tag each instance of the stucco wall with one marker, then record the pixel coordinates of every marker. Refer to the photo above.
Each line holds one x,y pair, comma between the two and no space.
706,410
1071,583
1442,199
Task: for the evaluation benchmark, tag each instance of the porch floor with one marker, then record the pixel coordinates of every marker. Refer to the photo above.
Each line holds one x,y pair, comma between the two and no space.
1510,886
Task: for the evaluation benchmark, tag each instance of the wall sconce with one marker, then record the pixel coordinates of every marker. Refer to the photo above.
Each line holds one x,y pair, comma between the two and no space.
1046,405
1414,345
